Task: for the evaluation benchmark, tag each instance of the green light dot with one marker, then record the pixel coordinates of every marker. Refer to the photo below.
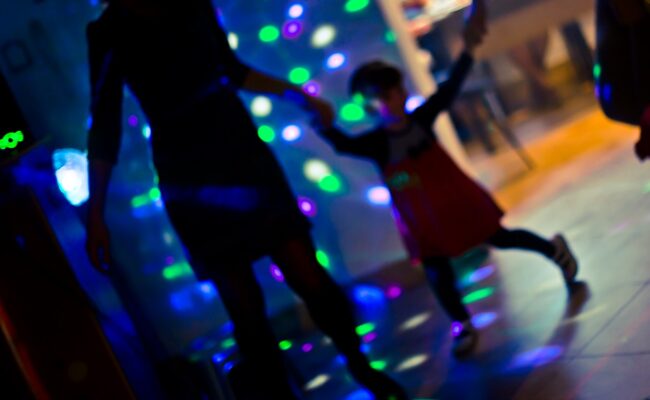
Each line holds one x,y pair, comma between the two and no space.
228,343
353,6
352,112
365,329
358,99
269,33
266,133
379,365
323,259
285,345
141,200
390,37
299,75
154,194
597,71
478,295
176,271
330,184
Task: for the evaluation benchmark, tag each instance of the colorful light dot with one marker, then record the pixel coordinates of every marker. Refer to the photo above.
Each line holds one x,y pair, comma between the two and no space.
292,29
365,329
317,382
269,33
323,36
478,295
323,259
352,6
379,195
597,71
330,184
369,337
233,40
379,365
307,347
482,320
456,328
146,131
177,271
390,37
133,121
412,362
393,292
266,133
312,88
414,321
261,106
307,206
315,170
285,345
352,112
291,133
299,75
413,102
228,343
368,294
276,273
336,60
296,11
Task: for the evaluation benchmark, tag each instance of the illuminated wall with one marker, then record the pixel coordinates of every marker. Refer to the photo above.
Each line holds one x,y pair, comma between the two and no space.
312,43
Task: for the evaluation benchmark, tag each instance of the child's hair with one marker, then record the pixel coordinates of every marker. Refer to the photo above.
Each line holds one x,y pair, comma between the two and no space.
373,78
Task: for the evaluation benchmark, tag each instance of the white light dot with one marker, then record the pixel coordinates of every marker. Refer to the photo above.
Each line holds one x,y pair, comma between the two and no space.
316,170
336,60
291,133
412,362
261,106
379,195
414,321
414,102
296,11
317,382
323,36
233,40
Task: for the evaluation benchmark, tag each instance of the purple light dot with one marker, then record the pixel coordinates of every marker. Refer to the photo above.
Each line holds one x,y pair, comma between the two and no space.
307,347
292,29
370,337
456,328
133,120
393,292
307,206
276,273
169,260
312,88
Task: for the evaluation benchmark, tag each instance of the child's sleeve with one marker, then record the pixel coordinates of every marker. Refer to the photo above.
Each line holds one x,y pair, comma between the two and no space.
365,145
106,86
446,93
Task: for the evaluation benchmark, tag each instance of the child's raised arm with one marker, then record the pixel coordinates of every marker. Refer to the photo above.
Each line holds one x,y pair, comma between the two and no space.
448,91
367,145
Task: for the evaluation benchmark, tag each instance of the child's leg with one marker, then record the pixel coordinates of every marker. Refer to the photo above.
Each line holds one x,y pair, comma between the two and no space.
442,279
332,312
555,249
522,239
242,297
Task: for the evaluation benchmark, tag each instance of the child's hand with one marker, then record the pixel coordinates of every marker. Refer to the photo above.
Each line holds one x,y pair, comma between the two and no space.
476,25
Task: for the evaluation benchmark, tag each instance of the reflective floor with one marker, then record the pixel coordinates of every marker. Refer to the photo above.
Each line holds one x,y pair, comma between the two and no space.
537,340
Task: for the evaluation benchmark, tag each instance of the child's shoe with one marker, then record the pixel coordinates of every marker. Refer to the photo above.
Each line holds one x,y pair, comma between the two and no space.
465,338
565,259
